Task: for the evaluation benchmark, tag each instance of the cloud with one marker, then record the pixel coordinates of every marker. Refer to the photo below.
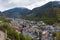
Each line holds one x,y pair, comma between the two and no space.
7,4
37,4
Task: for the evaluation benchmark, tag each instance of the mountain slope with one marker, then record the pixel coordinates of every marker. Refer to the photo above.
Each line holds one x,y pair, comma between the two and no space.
49,12
16,12
1,14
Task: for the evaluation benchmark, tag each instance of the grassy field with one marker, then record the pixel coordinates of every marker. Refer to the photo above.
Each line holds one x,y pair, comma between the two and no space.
57,24
57,33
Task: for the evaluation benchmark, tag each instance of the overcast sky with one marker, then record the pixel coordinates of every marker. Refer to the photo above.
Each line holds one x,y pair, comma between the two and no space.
8,4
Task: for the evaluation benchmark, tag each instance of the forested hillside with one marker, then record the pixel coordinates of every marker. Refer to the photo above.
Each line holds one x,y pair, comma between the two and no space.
49,12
